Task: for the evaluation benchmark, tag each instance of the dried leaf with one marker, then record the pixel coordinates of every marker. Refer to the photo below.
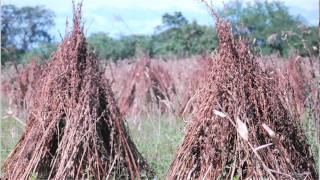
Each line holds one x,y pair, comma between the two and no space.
9,111
262,146
271,133
242,129
219,113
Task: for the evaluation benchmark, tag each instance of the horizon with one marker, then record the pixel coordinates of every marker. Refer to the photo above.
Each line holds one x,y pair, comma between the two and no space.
125,17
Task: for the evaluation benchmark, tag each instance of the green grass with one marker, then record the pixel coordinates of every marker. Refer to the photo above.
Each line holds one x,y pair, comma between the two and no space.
157,139
11,131
309,126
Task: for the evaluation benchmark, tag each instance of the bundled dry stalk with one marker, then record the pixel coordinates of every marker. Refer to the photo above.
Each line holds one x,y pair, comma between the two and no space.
75,130
295,78
304,80
298,80
149,87
236,102
118,73
194,82
19,85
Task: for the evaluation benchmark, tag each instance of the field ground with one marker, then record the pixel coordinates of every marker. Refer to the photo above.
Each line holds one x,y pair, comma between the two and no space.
11,131
311,133
157,138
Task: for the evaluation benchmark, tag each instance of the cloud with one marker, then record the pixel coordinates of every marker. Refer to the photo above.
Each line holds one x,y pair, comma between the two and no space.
154,5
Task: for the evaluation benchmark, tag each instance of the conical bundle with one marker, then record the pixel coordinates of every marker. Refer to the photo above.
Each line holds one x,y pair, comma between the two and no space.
148,88
74,130
241,128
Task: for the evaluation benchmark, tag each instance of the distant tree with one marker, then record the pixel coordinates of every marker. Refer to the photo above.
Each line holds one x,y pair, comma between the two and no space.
174,20
125,47
261,17
23,29
267,22
181,38
42,52
136,45
103,45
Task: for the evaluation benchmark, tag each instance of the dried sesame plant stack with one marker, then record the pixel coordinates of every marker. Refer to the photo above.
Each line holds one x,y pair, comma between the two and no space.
148,87
74,130
241,129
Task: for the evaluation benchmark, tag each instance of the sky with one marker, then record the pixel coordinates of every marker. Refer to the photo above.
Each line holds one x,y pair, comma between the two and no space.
124,17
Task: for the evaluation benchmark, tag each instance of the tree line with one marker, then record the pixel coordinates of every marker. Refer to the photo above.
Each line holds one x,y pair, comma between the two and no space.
268,26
